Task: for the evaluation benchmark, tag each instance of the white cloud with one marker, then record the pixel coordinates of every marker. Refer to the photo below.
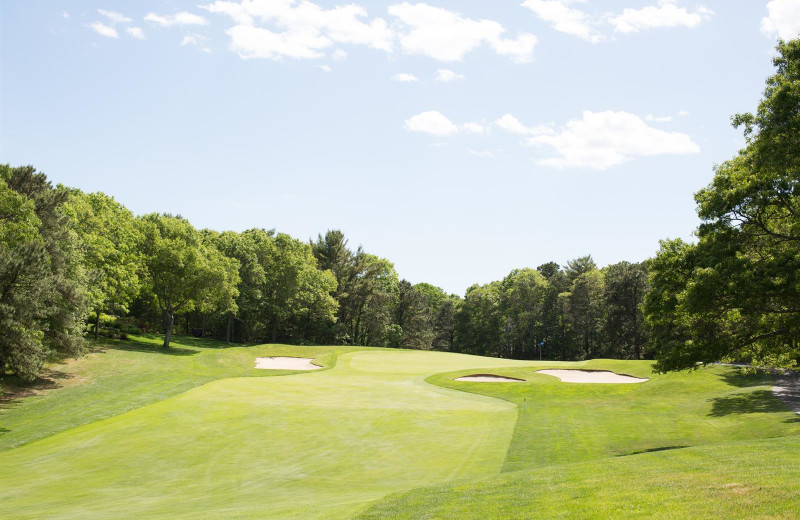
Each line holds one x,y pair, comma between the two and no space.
567,19
255,42
483,154
325,68
196,40
564,18
431,122
446,75
511,124
405,77
683,113
114,17
298,29
435,123
339,54
783,19
64,15
447,36
665,14
181,18
659,119
104,30
601,140
136,32
475,128
301,29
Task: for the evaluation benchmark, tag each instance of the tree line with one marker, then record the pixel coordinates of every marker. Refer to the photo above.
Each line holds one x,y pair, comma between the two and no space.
73,263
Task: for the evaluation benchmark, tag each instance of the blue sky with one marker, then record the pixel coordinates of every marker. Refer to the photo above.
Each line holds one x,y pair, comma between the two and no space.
458,139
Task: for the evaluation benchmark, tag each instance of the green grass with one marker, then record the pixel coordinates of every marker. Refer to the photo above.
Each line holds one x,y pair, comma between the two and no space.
568,422
754,480
133,432
312,445
121,376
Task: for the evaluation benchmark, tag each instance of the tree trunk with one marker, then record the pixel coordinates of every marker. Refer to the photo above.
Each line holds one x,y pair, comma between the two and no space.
97,326
274,330
186,326
168,332
203,329
230,327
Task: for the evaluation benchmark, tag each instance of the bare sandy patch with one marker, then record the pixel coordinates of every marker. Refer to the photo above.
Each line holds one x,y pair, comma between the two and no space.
591,376
489,378
286,363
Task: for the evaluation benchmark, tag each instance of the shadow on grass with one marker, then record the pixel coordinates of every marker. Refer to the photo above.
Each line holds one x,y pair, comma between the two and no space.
151,349
14,389
651,450
734,377
3,431
187,341
759,401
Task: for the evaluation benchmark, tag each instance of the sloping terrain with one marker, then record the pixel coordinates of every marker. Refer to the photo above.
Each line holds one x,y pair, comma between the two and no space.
134,432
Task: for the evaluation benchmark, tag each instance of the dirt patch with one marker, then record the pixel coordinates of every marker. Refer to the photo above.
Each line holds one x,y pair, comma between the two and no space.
591,376
489,378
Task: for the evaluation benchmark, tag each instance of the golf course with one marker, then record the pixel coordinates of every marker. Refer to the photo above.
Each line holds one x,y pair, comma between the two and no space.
135,431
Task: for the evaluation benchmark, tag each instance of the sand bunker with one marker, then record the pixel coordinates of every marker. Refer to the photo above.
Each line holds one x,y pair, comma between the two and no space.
489,378
286,363
591,376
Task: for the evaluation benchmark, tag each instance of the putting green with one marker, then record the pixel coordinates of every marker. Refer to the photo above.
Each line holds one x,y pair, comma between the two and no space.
314,445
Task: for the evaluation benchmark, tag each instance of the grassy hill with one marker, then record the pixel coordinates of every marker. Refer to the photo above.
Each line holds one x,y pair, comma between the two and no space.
134,432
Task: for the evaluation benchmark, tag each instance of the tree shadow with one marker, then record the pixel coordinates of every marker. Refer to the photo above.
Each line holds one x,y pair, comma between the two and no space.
152,349
3,431
733,377
651,450
179,340
15,390
206,343
759,401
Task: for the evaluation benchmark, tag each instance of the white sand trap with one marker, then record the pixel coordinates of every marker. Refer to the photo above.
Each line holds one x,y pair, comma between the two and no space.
591,376
489,378
286,363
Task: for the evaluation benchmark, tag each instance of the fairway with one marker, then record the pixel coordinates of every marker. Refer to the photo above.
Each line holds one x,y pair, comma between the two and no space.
385,433
299,446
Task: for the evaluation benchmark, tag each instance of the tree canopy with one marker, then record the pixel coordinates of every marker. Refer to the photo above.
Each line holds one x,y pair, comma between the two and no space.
734,294
182,269
42,283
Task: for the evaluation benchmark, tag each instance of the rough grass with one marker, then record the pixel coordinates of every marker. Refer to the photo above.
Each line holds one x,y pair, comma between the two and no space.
754,480
571,422
119,376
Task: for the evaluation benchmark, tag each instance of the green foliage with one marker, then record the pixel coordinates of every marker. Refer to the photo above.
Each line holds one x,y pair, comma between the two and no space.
625,287
734,294
296,292
109,249
183,270
579,266
479,322
523,294
586,312
42,296
365,291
